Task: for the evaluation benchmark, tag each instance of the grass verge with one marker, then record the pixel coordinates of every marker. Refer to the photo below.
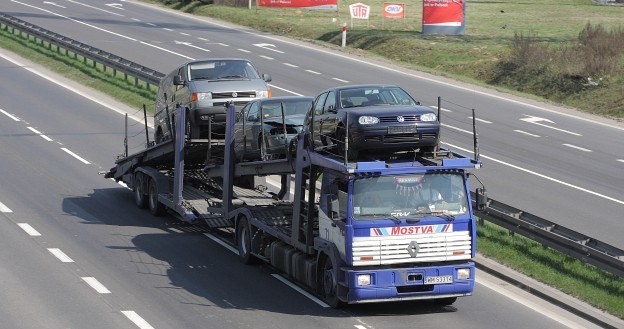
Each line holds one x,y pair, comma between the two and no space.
567,274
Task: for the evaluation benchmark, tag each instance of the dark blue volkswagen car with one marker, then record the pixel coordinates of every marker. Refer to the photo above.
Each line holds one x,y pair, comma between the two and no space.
376,118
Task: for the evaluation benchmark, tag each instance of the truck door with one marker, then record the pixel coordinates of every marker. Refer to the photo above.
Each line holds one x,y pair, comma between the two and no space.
333,212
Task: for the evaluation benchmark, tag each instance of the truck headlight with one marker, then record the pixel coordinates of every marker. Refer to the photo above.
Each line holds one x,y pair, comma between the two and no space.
201,96
368,120
363,279
428,117
463,273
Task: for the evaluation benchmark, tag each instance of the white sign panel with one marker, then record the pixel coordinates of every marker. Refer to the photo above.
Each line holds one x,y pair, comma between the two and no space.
359,10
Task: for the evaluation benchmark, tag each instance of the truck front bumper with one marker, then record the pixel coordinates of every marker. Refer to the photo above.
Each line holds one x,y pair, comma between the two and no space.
399,284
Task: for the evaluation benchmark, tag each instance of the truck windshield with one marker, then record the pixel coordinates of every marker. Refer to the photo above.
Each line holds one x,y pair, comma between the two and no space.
222,70
409,196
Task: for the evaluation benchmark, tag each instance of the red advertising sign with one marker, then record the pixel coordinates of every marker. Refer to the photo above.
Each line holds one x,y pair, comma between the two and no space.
314,4
359,10
394,10
443,12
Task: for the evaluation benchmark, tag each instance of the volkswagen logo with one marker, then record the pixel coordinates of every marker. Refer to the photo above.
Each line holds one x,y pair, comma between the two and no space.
234,94
413,248
400,118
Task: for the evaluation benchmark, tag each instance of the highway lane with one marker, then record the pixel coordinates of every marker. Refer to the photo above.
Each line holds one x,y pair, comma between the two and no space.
537,159
171,275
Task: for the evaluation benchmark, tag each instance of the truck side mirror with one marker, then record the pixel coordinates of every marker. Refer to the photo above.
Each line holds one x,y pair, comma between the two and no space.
267,77
482,198
178,81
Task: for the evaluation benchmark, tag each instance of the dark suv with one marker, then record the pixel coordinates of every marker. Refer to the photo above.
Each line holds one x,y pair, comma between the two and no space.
380,118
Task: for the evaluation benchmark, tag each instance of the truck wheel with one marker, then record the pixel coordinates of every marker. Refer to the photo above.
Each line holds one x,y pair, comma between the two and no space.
445,301
155,207
329,281
140,195
243,237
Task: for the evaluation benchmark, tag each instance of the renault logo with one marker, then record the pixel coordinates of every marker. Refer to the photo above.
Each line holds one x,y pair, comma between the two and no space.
234,94
400,118
413,248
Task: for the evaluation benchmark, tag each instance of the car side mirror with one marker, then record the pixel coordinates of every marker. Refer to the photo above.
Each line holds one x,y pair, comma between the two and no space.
267,77
178,81
332,109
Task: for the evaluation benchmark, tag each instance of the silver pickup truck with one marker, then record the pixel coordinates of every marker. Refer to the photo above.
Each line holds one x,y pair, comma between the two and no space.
204,88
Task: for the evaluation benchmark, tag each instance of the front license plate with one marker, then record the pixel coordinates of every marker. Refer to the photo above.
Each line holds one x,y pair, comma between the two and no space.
439,279
402,130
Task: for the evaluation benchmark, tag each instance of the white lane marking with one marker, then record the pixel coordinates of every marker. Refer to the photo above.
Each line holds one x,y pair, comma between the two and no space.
75,155
137,320
188,44
527,303
313,72
40,134
536,121
217,240
458,129
135,19
340,80
441,109
167,29
243,50
95,284
299,290
202,39
268,46
541,175
150,24
60,255
577,147
120,183
358,326
4,208
526,133
9,115
267,57
620,160
480,120
291,65
28,229
183,33
286,90
115,5
53,4
96,8
103,30
223,44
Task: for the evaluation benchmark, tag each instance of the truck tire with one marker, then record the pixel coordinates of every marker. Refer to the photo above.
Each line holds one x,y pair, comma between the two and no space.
140,195
243,238
156,208
445,301
329,284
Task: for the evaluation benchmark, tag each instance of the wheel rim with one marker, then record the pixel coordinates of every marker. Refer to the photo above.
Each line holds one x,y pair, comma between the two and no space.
153,196
138,189
244,239
328,279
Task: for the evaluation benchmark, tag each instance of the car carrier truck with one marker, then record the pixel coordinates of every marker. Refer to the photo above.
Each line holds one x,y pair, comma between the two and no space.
350,231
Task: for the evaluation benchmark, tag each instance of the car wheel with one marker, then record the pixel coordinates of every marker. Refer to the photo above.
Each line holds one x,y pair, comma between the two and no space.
159,137
352,153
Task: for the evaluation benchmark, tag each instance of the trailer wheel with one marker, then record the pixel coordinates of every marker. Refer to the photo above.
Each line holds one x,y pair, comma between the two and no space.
329,284
140,195
243,238
445,301
155,207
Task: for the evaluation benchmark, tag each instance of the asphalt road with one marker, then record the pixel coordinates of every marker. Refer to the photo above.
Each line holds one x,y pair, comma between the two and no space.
75,252
553,162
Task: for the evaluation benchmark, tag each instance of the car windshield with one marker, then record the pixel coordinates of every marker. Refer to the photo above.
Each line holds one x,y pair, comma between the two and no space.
272,109
371,96
222,70
409,196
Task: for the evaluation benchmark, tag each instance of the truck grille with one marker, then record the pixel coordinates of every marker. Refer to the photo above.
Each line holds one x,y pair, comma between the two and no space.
385,250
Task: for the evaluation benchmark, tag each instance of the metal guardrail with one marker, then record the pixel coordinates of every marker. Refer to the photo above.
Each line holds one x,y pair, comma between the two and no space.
555,236
139,72
547,233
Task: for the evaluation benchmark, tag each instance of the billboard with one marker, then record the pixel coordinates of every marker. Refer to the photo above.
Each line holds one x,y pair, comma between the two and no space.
310,4
359,10
444,16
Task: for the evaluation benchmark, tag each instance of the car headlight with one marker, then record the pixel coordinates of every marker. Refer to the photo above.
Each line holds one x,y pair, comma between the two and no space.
263,93
428,117
363,279
368,120
201,96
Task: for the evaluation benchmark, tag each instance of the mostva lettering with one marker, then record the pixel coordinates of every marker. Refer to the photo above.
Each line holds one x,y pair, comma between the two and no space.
412,230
